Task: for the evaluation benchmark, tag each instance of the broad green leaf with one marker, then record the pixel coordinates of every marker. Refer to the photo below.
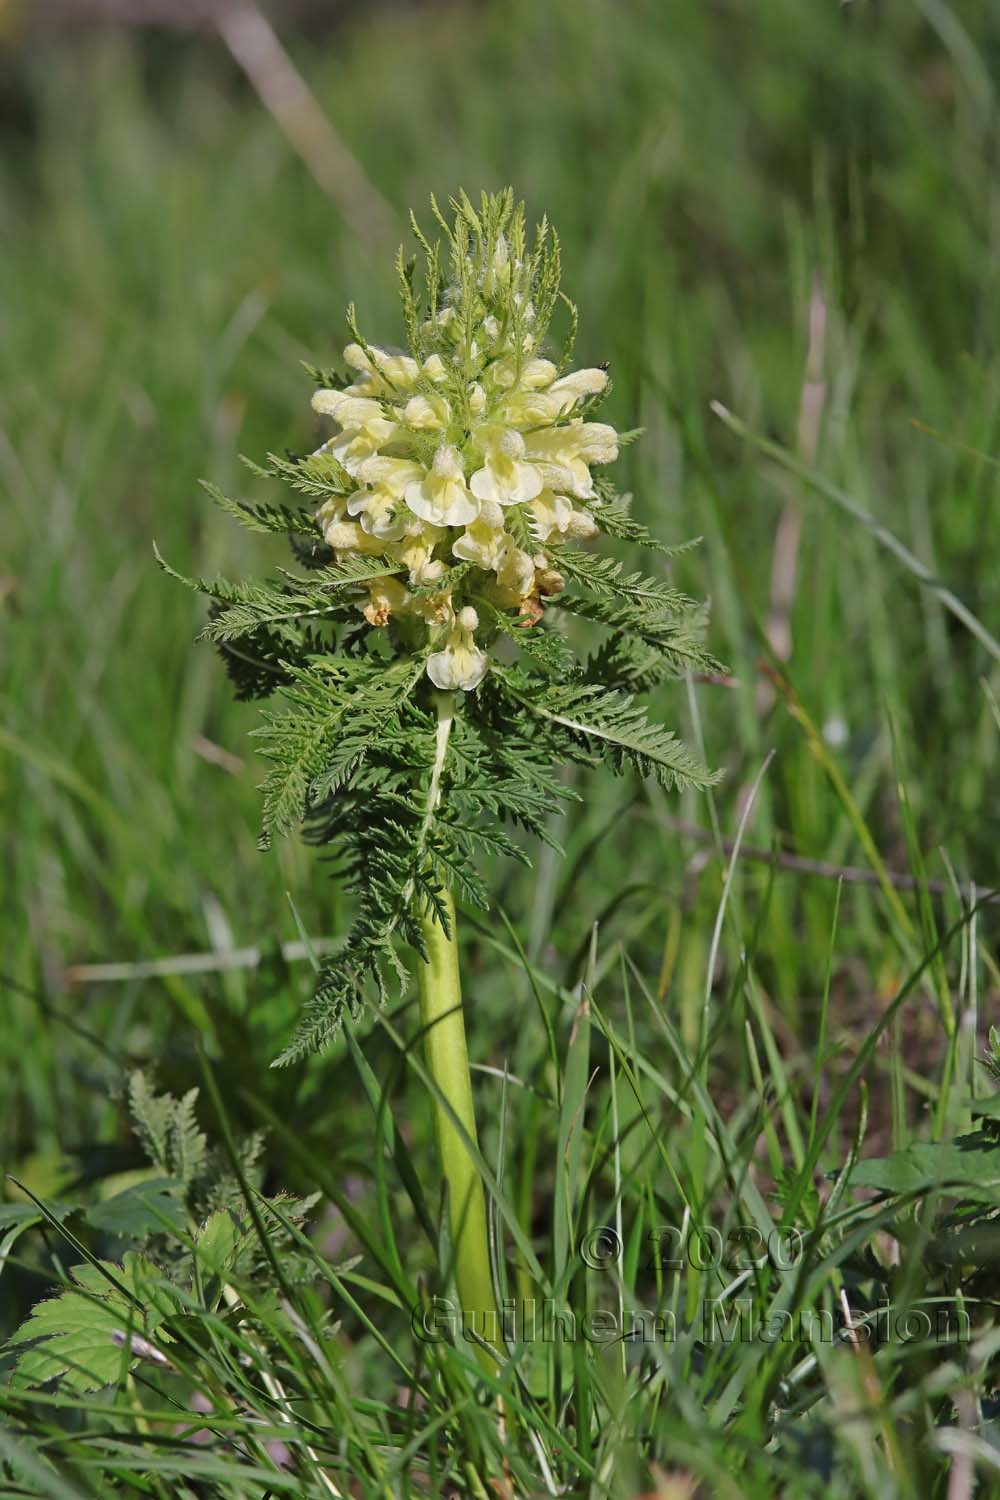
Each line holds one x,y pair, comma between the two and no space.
217,1242
984,1109
144,1208
973,1160
78,1336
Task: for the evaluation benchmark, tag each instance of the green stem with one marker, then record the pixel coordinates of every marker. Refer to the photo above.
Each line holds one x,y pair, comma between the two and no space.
440,986
448,1063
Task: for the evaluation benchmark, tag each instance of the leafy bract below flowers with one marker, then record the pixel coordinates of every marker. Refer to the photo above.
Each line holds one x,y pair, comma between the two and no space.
430,686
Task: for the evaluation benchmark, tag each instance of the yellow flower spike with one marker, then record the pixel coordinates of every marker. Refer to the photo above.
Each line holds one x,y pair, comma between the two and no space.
467,444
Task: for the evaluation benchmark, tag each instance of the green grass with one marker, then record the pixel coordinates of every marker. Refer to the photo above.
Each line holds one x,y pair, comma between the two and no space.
723,179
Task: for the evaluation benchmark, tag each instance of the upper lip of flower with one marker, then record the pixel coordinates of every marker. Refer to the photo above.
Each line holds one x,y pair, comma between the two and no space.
383,472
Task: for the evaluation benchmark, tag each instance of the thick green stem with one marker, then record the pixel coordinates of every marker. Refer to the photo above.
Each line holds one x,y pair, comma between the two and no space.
448,1063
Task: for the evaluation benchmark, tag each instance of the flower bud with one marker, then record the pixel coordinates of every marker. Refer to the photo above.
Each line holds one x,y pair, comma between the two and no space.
549,581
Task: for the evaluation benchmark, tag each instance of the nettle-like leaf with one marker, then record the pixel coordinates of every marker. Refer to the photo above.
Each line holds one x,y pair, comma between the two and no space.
154,1206
971,1161
95,1330
186,1228
431,678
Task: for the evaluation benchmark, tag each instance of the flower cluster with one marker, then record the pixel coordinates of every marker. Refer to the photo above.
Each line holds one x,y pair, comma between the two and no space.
466,458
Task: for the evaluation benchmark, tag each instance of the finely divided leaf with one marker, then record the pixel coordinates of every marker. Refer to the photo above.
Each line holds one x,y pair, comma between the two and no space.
614,517
550,652
265,519
606,577
254,604
613,722
336,718
340,992
316,474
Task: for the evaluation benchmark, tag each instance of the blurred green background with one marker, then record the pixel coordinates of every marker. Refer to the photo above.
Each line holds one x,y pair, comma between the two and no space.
788,207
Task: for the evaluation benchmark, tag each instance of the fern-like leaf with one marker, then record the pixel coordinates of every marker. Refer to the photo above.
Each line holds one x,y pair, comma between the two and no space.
606,577
336,718
265,519
152,1115
616,723
187,1146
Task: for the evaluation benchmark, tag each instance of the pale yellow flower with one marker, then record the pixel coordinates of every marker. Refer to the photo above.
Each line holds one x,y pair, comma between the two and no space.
541,402
348,536
442,496
460,664
505,477
496,552
555,515
415,552
381,514
426,413
435,368
481,544
517,571
384,472
387,597
389,372
578,384
365,426
564,455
